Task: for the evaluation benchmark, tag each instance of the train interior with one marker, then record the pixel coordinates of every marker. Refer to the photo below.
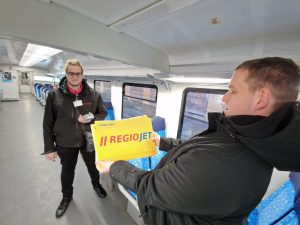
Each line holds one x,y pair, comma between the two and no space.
169,59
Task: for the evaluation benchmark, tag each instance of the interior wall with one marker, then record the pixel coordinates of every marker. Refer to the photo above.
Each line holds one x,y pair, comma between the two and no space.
9,84
169,100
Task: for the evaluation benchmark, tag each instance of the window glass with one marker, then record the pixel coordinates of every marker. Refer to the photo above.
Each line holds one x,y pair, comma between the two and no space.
196,104
104,88
139,99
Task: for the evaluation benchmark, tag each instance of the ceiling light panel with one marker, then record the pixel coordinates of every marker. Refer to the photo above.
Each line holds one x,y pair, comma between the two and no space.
37,53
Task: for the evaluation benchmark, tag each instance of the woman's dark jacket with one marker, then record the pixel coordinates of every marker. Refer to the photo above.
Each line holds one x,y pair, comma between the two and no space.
219,176
60,125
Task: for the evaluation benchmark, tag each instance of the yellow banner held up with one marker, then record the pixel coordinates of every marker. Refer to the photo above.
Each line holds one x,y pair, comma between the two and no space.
123,139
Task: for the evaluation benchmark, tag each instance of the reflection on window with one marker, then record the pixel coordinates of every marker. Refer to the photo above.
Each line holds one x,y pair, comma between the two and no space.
104,88
139,99
197,103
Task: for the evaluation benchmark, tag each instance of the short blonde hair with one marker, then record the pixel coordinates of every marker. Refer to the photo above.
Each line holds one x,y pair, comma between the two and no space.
73,62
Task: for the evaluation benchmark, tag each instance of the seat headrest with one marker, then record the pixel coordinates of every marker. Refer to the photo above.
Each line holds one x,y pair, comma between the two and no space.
108,105
158,123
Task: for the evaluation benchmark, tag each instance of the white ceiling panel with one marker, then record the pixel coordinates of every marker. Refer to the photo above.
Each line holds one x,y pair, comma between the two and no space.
182,29
153,14
106,12
246,30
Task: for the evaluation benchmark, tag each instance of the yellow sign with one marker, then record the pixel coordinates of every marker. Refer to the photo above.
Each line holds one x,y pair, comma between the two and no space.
123,139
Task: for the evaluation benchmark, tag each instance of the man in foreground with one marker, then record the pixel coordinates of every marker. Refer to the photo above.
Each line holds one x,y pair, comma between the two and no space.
220,175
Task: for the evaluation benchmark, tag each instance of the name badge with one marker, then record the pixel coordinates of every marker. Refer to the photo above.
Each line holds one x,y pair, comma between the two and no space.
77,103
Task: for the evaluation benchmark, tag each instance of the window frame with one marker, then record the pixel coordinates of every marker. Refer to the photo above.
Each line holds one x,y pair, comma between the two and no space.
137,85
103,81
183,102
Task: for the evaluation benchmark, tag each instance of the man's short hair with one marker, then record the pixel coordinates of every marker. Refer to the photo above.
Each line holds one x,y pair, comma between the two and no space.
281,75
73,62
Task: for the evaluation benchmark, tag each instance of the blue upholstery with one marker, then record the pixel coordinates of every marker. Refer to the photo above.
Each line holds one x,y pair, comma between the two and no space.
149,163
142,163
295,178
159,126
290,219
35,87
277,207
44,93
110,111
38,91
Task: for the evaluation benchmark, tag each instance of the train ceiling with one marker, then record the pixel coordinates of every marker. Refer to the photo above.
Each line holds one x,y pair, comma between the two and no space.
196,35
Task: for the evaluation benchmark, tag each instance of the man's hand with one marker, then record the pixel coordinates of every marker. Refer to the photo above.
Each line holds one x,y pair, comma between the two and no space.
83,119
51,156
156,139
104,166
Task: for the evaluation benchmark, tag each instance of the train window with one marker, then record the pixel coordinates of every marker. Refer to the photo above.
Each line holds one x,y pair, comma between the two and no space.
104,88
139,99
195,105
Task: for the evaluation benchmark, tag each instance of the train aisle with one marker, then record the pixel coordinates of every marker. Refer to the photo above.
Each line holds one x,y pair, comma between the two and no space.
30,184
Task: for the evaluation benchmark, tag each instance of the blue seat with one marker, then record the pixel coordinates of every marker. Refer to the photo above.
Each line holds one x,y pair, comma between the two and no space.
47,93
110,111
44,90
159,126
149,163
35,86
277,209
38,92
295,178
290,219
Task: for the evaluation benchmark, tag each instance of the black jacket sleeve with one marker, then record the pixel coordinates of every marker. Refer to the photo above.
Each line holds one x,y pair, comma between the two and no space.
127,175
166,144
191,184
48,124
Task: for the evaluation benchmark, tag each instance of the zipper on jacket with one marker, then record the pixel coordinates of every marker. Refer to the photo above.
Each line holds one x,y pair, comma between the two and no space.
234,136
77,123
145,212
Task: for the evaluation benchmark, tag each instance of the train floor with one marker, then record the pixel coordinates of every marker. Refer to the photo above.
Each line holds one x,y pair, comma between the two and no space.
30,188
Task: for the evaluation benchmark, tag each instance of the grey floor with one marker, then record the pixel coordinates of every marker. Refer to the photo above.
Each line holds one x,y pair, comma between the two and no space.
30,185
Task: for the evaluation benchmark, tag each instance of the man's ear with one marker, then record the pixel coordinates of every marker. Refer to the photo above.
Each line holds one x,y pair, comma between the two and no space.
264,99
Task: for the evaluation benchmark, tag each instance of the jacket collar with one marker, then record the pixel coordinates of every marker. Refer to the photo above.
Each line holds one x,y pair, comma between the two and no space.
254,126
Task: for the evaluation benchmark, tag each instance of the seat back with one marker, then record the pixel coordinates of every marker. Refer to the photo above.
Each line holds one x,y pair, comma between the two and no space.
110,111
149,163
46,92
275,209
159,126
38,91
290,219
295,178
35,86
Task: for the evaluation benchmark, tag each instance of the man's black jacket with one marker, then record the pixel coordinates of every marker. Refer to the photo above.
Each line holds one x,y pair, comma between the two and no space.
219,176
60,125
